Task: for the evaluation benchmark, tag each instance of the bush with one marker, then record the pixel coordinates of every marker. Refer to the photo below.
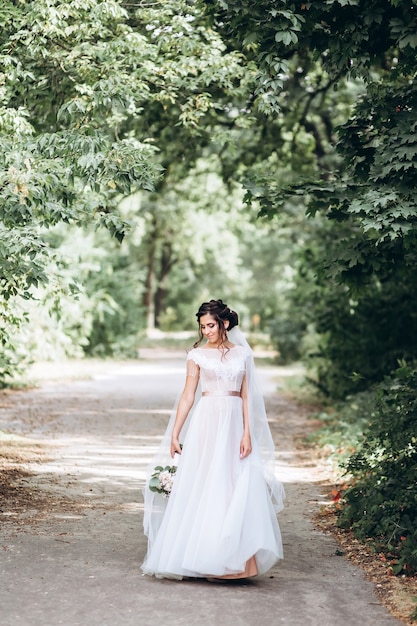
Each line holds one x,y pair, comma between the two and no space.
362,338
287,333
381,502
343,426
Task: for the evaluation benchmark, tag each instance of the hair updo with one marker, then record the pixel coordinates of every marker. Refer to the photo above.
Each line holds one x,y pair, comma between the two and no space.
221,313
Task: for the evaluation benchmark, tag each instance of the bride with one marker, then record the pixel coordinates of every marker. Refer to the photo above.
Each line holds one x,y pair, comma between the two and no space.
219,521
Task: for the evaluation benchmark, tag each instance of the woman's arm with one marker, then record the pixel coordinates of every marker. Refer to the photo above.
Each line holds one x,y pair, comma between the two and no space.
245,444
184,406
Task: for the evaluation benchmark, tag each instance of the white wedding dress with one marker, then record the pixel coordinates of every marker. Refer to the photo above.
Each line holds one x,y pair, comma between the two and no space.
219,519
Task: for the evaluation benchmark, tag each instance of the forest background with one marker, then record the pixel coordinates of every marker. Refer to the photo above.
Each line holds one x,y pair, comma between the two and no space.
158,153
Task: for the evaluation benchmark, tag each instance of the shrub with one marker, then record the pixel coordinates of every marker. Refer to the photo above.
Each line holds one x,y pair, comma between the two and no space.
381,502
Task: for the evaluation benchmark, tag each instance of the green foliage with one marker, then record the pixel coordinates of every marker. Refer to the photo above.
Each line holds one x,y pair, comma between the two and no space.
13,356
171,105
362,335
100,98
356,270
347,38
96,100
382,502
413,615
354,273
343,426
287,332
376,194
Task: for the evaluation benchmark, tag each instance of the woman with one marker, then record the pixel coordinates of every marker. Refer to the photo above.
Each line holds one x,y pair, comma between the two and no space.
220,518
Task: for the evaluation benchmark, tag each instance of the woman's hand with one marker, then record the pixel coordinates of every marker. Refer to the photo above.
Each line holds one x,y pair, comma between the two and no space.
245,446
184,406
175,446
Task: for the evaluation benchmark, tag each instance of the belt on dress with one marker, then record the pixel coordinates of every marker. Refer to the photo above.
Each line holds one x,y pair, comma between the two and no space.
221,393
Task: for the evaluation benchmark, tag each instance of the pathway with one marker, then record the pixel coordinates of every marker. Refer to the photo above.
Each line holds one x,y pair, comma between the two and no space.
75,560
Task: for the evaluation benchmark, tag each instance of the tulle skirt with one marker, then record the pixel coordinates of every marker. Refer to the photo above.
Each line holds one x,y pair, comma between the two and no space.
219,514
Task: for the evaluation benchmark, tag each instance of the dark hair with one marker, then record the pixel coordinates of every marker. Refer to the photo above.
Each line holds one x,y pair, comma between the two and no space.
221,313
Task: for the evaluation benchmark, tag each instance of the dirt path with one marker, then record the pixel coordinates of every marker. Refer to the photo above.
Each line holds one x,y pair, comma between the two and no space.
71,540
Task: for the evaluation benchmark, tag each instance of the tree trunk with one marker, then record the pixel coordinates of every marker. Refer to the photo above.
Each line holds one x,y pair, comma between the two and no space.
167,261
148,296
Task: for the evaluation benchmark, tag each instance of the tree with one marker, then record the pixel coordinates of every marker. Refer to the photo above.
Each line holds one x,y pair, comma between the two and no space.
359,267
351,39
368,192
92,95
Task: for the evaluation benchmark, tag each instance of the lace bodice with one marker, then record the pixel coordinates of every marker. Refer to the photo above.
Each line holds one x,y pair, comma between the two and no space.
219,372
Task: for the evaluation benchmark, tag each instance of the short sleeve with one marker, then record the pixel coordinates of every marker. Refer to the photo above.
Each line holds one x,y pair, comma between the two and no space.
192,367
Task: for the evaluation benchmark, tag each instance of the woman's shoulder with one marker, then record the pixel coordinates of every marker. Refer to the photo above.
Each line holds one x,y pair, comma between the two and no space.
193,354
201,352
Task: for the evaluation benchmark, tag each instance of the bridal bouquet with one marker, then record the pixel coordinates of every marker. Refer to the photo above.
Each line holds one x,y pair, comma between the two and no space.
162,479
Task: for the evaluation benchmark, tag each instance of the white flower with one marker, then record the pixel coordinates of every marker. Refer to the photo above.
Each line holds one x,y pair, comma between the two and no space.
166,480
162,480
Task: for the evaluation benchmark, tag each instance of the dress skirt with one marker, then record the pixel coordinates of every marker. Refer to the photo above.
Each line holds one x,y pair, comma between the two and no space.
219,514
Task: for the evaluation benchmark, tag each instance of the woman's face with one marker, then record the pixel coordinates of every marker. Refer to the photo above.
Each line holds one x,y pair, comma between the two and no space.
210,328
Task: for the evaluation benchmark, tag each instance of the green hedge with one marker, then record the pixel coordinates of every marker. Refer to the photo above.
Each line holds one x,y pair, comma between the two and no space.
381,503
